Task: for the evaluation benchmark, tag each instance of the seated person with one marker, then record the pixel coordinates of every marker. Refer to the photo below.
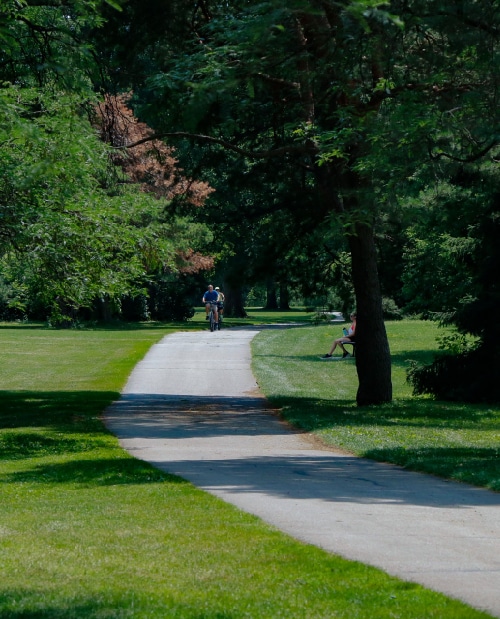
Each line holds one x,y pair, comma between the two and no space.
349,337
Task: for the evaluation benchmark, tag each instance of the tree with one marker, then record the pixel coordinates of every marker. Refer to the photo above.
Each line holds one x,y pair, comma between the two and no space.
73,229
267,56
362,102
44,42
71,233
466,258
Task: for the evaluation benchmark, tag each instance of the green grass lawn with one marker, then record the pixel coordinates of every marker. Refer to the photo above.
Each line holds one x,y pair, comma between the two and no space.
454,440
86,531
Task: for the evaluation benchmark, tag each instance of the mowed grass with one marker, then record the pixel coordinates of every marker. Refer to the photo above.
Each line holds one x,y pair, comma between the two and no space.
454,440
87,531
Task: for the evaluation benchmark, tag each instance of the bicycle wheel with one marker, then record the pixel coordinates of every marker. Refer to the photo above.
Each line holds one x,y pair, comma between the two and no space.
212,320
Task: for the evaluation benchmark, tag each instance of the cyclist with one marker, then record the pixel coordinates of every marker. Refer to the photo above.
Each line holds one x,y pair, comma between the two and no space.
211,297
220,302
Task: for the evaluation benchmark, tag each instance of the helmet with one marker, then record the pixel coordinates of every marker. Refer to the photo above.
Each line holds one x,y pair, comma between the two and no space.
217,288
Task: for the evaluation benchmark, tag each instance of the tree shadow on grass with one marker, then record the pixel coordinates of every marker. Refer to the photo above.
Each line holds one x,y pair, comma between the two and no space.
317,414
43,431
96,471
479,466
59,411
399,359
33,603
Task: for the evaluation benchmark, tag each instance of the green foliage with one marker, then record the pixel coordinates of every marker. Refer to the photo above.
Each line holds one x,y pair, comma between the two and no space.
168,299
71,232
468,377
444,242
73,229
390,310
455,259
455,343
44,43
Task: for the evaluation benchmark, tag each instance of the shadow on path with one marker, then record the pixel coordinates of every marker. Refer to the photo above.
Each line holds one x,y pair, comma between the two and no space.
250,448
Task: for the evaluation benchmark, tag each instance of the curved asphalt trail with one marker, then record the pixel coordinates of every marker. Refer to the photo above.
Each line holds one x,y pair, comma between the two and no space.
192,408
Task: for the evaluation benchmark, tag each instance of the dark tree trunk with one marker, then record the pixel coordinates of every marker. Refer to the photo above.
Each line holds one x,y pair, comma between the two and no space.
233,303
373,359
271,296
284,296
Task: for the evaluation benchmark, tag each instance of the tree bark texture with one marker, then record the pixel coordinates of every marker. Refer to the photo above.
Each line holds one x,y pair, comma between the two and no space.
233,303
373,359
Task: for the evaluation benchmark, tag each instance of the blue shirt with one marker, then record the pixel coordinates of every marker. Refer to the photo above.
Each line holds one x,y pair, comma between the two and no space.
211,296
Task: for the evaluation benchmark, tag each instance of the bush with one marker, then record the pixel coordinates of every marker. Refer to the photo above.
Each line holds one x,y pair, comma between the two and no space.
135,308
390,310
169,301
470,376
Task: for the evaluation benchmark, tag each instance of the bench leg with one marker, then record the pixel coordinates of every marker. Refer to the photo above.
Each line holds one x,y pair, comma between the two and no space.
353,353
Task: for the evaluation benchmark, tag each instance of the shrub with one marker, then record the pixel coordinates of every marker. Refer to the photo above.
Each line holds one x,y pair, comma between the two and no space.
390,310
169,301
471,376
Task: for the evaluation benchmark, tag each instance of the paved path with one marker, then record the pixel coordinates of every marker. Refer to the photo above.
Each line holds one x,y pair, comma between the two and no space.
192,408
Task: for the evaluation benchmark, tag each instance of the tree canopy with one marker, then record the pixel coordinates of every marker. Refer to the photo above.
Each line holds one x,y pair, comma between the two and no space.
369,102
81,220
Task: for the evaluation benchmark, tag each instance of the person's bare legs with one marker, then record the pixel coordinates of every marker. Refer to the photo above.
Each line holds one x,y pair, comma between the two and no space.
340,343
216,313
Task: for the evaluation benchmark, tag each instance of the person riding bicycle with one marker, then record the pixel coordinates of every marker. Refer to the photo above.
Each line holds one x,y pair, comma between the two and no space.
220,301
211,297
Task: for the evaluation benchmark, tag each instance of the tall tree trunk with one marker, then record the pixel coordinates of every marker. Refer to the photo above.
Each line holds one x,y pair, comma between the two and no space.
233,302
271,297
373,359
284,296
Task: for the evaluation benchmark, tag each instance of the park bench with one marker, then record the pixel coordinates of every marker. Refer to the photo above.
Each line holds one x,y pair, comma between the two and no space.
353,344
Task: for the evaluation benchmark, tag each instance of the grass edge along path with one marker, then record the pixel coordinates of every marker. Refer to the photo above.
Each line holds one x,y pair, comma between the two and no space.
87,531
453,440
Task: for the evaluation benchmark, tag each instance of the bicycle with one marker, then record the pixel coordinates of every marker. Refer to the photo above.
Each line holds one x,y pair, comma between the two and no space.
211,317
220,306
